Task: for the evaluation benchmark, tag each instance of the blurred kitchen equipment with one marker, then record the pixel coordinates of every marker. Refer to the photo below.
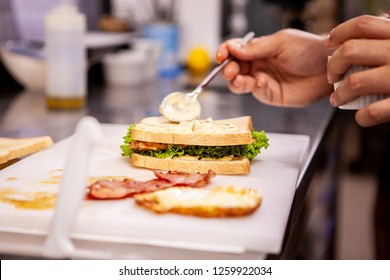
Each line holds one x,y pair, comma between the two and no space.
109,23
28,17
65,57
72,189
24,63
167,33
292,12
238,20
200,25
138,13
164,29
134,66
106,41
179,106
198,62
198,22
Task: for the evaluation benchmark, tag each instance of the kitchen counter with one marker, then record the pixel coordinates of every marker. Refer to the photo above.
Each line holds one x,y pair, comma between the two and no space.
24,114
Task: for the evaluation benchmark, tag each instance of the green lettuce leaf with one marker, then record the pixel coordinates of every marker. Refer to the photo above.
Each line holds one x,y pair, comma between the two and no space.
260,140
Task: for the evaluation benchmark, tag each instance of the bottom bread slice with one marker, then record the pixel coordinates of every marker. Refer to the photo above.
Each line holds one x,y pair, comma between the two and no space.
224,167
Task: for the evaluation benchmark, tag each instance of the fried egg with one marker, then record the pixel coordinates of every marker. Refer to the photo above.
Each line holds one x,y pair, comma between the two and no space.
220,201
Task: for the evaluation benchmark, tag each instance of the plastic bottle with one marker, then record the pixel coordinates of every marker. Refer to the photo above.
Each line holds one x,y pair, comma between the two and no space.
167,33
65,57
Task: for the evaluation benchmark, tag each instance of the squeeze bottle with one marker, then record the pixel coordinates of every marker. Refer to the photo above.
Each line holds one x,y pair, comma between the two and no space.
65,57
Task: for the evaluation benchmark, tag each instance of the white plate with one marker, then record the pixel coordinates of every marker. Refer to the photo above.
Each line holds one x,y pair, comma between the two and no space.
95,39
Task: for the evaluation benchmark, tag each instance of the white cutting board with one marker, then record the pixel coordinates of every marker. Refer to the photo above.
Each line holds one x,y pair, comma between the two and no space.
274,173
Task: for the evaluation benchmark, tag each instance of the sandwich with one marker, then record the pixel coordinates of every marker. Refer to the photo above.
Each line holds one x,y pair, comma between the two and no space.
224,146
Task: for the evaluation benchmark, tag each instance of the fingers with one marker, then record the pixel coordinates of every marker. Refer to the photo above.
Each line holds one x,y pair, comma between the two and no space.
357,52
242,84
261,47
232,69
263,87
367,82
361,41
225,49
248,52
257,48
368,27
267,90
373,114
222,52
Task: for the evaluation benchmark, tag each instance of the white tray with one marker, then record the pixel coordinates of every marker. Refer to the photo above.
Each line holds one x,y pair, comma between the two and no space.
274,173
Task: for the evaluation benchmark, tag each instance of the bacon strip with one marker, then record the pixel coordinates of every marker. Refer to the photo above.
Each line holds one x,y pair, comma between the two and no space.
112,189
118,189
196,180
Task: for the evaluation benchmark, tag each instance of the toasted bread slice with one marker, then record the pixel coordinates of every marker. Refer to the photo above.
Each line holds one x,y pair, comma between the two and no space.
225,201
227,132
236,166
12,148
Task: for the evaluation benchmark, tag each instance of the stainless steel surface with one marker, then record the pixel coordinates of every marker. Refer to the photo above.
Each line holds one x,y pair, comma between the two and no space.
24,114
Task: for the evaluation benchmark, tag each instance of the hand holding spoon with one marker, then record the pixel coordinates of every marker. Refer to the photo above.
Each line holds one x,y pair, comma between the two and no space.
178,106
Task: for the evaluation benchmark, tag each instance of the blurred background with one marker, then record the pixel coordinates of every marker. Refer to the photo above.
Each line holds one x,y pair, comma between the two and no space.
201,25
193,30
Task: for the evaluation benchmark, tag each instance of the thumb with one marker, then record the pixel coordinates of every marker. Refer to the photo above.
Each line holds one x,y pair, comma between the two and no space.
258,48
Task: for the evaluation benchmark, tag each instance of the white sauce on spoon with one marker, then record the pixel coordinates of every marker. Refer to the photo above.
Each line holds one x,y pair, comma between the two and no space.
177,107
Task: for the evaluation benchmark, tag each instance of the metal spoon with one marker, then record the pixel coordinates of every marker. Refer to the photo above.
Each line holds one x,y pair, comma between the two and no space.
178,106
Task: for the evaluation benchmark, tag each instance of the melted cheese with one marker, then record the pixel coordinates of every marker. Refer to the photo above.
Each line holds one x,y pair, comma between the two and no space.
194,158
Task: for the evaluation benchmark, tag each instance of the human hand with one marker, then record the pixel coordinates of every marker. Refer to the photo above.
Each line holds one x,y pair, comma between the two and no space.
287,68
365,41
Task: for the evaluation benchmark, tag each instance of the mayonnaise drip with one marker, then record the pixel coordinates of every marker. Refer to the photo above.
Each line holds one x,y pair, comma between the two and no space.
195,126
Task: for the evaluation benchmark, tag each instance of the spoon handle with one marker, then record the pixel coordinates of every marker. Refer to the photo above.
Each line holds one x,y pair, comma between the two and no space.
249,36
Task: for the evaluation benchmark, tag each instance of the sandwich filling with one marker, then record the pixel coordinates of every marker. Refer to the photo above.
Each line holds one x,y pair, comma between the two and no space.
163,150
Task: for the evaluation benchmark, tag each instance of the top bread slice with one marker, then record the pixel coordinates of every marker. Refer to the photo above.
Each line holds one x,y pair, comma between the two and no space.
13,148
226,132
